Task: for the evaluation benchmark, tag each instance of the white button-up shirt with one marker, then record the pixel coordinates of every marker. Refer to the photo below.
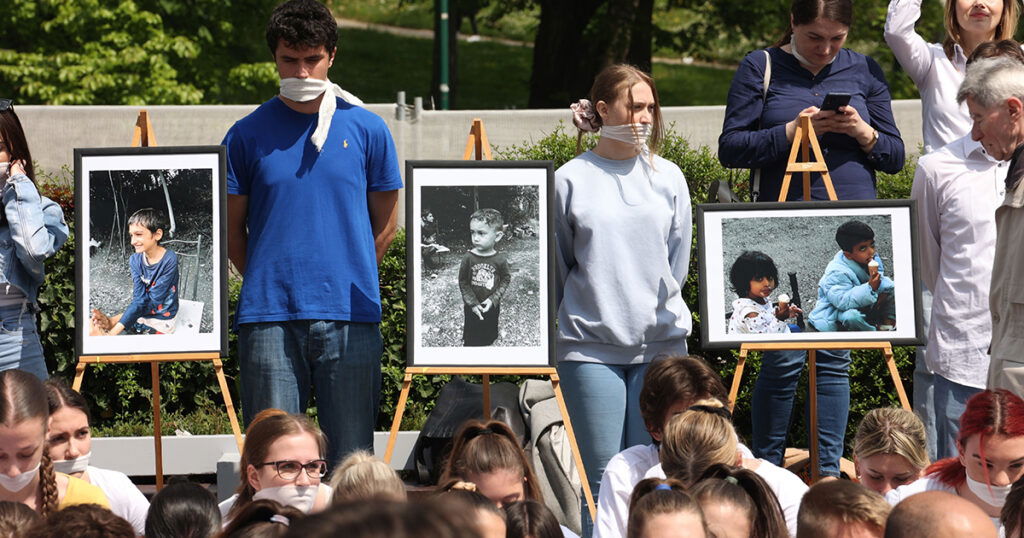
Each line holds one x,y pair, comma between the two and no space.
937,78
958,189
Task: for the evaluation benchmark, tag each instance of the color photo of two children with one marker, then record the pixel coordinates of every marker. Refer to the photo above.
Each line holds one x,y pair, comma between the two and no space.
809,274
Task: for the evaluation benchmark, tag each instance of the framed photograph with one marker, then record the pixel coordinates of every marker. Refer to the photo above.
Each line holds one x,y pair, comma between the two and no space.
807,271
480,249
150,241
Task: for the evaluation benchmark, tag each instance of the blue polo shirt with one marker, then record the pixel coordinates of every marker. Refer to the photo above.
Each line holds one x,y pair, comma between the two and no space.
311,251
754,131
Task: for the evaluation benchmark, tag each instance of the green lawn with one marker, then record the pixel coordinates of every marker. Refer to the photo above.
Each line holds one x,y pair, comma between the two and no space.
375,65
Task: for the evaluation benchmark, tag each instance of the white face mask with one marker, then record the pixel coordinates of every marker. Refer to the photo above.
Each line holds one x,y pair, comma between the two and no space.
17,483
4,169
76,465
300,497
303,89
800,57
630,133
997,496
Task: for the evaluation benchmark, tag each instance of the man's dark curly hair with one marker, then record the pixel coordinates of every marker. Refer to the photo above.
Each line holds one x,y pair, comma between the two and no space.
302,24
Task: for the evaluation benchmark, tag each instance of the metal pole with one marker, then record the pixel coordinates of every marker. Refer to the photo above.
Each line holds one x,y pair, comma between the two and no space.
400,106
442,34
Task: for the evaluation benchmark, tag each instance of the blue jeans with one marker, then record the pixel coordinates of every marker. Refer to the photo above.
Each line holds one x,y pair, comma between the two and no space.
604,406
772,404
19,341
341,360
950,402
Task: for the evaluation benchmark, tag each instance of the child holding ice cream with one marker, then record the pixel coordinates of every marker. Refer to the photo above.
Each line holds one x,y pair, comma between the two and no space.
853,294
754,276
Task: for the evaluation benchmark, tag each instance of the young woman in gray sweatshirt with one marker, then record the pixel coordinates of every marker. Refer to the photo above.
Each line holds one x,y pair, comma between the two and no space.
623,227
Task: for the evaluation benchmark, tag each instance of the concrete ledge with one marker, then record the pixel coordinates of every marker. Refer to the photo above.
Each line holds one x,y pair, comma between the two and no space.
200,454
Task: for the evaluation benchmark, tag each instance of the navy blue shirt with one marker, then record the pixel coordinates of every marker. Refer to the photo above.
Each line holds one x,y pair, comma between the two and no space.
311,252
754,133
154,288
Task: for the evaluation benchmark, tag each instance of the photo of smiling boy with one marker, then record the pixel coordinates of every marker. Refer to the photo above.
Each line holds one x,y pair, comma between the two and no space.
154,271
854,294
754,277
483,278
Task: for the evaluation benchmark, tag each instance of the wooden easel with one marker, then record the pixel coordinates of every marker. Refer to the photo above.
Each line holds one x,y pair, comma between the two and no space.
806,142
478,148
143,137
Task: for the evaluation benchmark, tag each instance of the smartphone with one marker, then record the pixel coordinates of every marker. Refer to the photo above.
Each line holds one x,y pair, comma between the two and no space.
834,100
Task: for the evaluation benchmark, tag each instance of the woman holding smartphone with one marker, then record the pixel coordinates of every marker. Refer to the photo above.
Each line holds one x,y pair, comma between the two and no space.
771,89
774,86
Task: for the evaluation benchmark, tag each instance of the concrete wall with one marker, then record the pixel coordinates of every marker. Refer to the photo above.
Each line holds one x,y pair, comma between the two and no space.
54,131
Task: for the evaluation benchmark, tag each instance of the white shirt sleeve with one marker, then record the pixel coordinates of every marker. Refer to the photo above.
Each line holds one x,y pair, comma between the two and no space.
621,475
924,191
125,498
909,48
788,488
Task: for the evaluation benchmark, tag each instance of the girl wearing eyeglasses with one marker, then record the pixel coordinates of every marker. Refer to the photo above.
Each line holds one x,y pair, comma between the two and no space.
69,443
282,461
32,231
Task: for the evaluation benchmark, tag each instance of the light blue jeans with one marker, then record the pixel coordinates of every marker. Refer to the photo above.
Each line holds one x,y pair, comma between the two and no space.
19,341
950,402
772,404
340,360
604,407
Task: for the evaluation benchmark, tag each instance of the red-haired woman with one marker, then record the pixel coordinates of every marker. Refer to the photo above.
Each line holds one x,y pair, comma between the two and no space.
991,446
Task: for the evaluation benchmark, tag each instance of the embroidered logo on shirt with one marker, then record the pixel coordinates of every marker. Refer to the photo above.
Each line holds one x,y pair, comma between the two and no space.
345,143
483,275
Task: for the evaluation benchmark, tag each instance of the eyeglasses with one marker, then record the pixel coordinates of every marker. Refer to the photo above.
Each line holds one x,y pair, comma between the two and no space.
290,469
6,104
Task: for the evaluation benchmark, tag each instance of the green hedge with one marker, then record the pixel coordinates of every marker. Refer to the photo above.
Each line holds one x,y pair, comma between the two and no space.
120,395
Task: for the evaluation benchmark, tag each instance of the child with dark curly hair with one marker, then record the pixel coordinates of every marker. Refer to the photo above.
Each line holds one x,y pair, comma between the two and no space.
754,277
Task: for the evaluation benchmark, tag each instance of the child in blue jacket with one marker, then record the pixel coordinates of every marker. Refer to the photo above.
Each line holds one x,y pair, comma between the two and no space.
853,294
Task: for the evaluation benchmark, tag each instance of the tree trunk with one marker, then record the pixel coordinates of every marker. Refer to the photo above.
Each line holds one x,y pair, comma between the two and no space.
578,38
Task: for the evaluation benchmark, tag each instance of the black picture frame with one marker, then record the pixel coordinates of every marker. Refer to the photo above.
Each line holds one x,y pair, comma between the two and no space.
435,310
800,238
194,179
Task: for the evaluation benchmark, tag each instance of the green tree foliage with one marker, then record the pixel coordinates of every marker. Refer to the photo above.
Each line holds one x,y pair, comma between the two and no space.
135,52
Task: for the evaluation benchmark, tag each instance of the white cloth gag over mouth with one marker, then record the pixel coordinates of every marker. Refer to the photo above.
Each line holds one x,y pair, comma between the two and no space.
306,89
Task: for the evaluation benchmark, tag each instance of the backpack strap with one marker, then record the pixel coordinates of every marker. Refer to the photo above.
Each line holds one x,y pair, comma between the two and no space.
755,184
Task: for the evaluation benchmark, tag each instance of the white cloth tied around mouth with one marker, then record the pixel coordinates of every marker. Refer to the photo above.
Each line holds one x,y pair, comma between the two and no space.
304,90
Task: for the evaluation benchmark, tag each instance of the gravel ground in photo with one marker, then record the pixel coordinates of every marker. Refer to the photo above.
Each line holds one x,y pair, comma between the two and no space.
803,245
441,300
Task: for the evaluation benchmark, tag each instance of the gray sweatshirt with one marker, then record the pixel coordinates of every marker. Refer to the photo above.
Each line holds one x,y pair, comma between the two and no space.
623,230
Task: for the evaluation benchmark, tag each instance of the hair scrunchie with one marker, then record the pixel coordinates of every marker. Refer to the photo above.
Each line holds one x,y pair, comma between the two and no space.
583,116
278,518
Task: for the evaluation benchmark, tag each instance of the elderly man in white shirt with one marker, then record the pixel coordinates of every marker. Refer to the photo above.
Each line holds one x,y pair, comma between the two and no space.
957,189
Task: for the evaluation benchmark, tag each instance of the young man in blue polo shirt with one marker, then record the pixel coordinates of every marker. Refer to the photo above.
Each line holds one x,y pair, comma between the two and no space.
313,185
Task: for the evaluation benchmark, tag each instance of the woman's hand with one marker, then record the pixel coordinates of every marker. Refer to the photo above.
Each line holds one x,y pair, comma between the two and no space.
846,120
17,167
791,126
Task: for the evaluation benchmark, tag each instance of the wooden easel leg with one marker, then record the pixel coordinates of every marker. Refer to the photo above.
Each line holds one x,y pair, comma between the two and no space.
218,368
399,411
487,396
588,495
79,375
737,378
812,394
890,362
157,441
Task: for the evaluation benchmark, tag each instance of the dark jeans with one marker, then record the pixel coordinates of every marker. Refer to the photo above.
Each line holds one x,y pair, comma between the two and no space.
772,404
340,360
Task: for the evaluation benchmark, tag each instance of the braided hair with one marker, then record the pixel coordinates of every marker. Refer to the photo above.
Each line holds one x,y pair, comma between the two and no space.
23,398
